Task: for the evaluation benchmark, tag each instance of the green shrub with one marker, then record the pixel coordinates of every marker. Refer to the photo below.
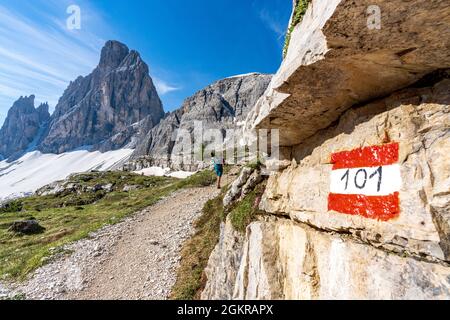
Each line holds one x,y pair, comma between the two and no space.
299,11
255,165
12,206
200,179
243,212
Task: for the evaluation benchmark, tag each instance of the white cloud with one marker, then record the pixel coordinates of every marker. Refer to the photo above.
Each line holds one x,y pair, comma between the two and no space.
40,56
163,87
272,23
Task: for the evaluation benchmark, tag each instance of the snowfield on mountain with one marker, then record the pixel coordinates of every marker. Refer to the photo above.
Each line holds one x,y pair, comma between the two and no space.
35,169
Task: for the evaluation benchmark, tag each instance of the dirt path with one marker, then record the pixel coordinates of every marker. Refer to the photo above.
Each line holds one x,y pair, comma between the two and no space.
143,264
134,259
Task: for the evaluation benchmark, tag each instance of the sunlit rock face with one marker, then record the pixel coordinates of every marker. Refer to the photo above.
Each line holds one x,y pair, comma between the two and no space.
222,105
302,250
279,259
104,108
418,120
344,89
335,60
22,126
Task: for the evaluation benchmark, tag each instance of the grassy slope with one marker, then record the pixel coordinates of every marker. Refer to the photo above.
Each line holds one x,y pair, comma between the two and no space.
196,251
71,217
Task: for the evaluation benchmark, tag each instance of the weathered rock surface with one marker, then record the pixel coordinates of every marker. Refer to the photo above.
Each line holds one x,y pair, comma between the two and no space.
340,88
222,105
419,120
314,253
223,264
105,106
22,126
279,259
246,181
335,61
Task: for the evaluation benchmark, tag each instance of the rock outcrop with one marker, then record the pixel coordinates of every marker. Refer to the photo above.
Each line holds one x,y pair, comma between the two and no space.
103,108
222,105
301,250
22,126
155,148
279,259
419,120
346,90
336,60
26,227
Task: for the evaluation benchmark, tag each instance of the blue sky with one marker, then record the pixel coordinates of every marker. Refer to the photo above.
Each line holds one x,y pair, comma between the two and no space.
187,44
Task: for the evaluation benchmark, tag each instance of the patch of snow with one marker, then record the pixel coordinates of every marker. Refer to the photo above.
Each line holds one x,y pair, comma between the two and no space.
154,171
35,169
243,75
32,146
164,172
181,174
125,68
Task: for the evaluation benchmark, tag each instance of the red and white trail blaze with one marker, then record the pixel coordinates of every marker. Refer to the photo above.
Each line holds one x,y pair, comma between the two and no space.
366,182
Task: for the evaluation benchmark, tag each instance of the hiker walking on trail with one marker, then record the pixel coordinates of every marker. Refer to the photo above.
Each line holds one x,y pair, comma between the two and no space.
218,163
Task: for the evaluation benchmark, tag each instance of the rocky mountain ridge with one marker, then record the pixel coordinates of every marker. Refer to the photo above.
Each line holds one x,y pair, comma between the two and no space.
117,106
104,110
222,105
98,108
22,127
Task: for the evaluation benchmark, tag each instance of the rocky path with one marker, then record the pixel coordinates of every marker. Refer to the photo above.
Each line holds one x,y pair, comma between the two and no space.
134,259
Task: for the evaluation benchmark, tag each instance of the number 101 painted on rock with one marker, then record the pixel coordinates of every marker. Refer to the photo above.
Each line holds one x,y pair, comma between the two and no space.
366,182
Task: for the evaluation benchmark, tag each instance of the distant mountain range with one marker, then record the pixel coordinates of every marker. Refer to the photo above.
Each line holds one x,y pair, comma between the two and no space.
117,107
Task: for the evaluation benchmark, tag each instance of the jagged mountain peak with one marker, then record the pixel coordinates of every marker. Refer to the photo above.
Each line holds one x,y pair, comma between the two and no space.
100,109
220,105
112,55
24,104
21,126
43,106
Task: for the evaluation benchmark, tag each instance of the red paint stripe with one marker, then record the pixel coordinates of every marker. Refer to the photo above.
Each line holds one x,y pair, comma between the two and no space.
382,208
373,156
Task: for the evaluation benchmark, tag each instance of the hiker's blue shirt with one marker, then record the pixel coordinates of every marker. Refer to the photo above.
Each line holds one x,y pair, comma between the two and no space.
218,166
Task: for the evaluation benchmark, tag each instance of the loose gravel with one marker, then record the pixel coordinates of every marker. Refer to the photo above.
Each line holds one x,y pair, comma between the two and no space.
136,258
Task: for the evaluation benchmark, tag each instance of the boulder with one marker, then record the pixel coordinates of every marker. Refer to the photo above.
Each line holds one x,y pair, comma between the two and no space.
128,188
108,187
26,227
235,190
255,178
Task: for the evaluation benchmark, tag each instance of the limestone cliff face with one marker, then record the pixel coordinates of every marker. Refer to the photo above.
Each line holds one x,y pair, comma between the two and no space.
324,101
22,126
222,105
103,108
417,119
335,61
